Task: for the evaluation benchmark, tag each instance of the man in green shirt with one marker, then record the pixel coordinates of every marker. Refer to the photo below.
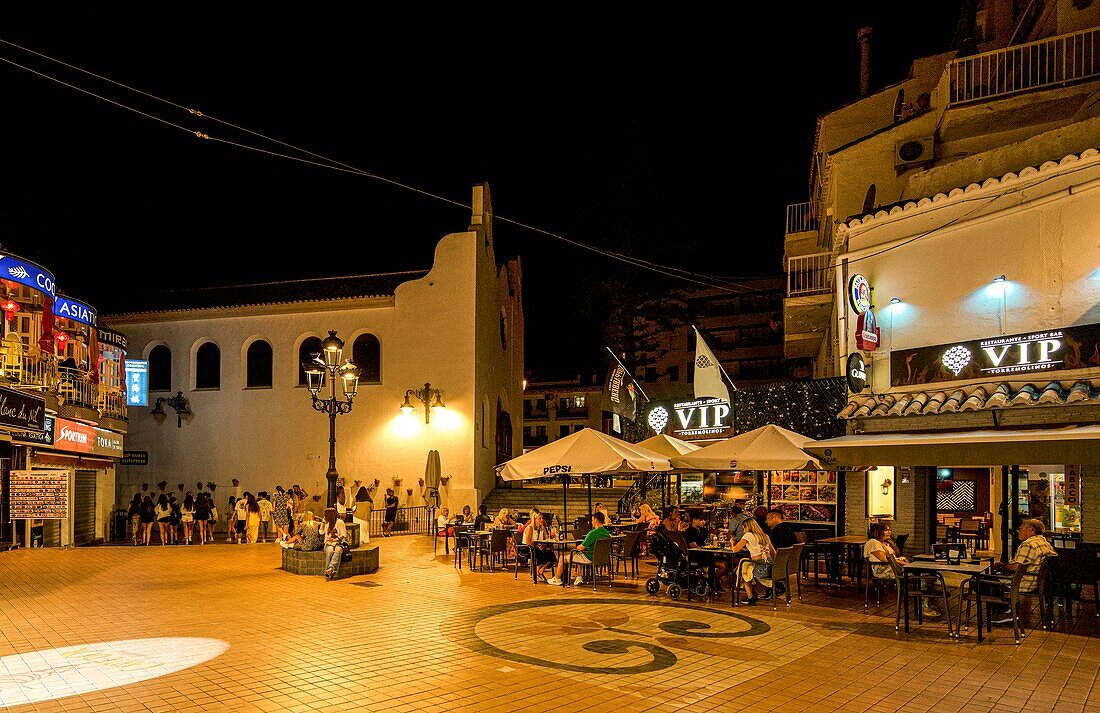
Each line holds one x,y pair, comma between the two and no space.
598,532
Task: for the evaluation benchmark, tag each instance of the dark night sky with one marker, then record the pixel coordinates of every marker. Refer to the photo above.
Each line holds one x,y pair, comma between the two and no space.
676,139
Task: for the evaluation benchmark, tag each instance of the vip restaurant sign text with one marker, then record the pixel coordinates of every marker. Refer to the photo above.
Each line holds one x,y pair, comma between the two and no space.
1045,350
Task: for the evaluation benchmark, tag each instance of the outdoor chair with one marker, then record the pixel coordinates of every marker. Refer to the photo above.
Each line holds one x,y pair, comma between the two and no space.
462,544
900,542
998,596
941,533
631,547
793,566
525,553
1071,571
495,549
779,574
601,559
877,582
925,586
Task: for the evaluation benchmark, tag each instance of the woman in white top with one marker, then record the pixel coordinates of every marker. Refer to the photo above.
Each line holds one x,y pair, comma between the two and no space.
878,552
187,515
332,532
163,514
760,551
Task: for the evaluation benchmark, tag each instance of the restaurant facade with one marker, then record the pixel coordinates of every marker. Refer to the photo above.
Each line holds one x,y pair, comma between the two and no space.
969,333
63,414
235,411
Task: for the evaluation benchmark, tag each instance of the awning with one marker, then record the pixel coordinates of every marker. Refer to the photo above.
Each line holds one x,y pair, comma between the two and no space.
1073,444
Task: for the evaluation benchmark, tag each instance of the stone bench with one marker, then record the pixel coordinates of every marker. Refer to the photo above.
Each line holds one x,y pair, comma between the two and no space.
364,560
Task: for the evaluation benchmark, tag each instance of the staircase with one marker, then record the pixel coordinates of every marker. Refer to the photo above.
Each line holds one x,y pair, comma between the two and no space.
548,499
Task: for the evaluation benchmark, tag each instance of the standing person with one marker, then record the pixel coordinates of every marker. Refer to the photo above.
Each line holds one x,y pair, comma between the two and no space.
251,519
265,514
175,521
187,516
364,495
345,506
134,511
300,502
202,516
241,517
280,513
148,517
212,523
332,532
391,512
164,517
231,519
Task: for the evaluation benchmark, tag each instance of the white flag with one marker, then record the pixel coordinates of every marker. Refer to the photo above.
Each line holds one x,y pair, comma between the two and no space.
708,375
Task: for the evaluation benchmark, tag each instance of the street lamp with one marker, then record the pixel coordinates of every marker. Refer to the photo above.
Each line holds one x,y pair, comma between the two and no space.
327,364
431,398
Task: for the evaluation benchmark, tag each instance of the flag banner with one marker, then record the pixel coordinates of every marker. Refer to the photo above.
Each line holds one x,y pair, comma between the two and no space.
708,375
619,397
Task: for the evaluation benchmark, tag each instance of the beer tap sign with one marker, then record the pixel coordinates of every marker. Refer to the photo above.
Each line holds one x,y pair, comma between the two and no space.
859,297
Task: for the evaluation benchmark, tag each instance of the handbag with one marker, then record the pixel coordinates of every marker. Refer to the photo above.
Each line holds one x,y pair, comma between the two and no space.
346,547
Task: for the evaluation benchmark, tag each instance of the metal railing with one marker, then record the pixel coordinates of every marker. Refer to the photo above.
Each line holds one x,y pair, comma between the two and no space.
809,275
21,366
1035,65
410,521
801,217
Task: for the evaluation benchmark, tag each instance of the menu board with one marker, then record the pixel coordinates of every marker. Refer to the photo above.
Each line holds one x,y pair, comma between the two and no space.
804,496
39,494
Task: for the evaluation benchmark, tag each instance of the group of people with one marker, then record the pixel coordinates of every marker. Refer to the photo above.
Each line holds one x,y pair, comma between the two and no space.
330,534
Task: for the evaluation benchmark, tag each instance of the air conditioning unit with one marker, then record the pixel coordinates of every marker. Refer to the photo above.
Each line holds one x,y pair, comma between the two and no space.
911,152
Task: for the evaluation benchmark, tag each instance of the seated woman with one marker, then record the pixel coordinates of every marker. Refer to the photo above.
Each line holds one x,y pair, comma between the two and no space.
466,518
306,538
539,529
672,521
878,550
333,531
444,523
757,567
504,519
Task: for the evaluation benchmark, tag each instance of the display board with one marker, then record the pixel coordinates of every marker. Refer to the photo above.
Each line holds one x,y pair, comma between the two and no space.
39,494
804,496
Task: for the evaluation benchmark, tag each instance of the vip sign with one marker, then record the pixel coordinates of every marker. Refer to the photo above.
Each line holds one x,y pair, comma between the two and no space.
702,417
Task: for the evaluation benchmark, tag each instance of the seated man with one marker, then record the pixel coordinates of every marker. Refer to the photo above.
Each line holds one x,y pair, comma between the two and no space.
598,532
782,535
1033,549
737,523
697,535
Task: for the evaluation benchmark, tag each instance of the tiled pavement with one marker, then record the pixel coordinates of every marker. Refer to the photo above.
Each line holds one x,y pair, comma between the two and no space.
221,628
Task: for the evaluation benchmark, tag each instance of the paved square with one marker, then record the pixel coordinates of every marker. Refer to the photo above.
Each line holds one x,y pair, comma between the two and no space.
222,628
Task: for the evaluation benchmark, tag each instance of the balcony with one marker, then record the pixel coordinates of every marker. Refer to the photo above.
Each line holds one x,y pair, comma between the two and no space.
535,414
77,395
808,306
1043,64
801,233
534,441
572,412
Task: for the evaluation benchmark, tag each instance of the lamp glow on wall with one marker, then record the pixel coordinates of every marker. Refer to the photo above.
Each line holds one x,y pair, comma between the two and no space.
431,398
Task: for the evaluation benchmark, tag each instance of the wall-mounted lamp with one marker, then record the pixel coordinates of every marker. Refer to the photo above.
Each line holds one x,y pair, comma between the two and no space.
178,403
886,486
999,278
431,398
895,300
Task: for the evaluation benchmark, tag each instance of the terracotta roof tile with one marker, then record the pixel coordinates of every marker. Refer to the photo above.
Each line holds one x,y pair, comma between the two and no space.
978,397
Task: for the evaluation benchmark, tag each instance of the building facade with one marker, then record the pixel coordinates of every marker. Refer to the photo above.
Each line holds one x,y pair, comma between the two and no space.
947,266
234,354
555,409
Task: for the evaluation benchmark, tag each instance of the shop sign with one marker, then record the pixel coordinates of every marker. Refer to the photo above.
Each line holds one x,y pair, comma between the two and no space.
856,373
107,443
859,293
73,436
22,410
45,438
39,495
1030,352
1073,487
701,417
75,310
137,458
137,382
867,331
106,335
27,273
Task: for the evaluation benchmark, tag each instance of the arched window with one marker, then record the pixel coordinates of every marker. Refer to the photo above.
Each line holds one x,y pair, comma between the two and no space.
160,368
258,364
208,367
504,434
367,355
310,346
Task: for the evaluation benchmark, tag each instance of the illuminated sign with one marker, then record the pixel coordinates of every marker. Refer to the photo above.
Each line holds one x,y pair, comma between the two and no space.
702,417
27,273
658,419
22,410
72,309
45,438
106,335
107,443
856,373
859,293
73,436
1050,350
866,331
137,382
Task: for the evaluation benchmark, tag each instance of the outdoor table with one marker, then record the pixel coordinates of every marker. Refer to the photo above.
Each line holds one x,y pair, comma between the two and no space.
620,525
922,566
476,537
561,546
711,554
846,544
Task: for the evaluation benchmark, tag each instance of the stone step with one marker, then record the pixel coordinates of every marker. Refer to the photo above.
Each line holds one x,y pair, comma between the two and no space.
550,499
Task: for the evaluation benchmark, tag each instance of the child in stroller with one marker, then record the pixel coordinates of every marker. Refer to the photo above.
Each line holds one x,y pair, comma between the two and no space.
673,565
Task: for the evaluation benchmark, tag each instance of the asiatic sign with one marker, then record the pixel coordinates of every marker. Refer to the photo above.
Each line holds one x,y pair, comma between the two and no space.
1048,350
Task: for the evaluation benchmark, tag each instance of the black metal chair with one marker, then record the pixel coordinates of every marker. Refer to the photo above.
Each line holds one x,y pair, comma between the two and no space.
628,552
779,574
925,586
1071,571
994,593
794,564
900,542
463,543
495,548
877,580
600,557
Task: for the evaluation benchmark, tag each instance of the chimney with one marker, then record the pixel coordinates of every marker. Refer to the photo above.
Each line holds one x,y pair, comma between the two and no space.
864,37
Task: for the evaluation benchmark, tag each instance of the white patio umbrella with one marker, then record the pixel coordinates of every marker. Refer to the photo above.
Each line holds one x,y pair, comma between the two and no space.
766,448
668,446
586,452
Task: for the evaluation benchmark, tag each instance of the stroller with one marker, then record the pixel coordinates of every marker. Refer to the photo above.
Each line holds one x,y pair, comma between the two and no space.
674,568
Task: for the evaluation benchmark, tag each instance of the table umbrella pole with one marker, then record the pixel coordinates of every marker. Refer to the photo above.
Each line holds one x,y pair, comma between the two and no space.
564,498
589,494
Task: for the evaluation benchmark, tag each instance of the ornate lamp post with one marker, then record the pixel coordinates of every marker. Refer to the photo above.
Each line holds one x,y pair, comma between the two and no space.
327,365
